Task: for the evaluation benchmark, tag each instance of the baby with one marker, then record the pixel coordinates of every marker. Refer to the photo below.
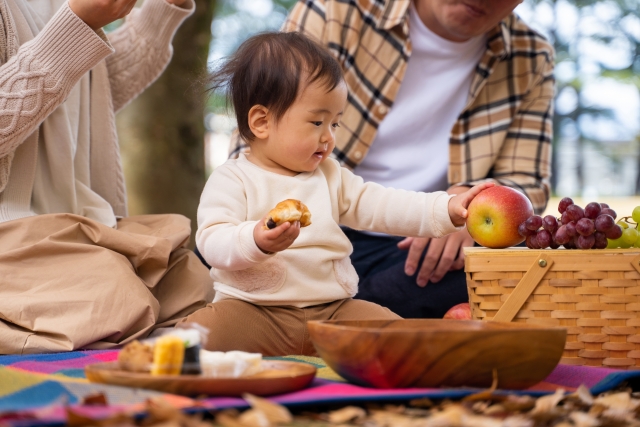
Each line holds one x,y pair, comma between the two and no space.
289,95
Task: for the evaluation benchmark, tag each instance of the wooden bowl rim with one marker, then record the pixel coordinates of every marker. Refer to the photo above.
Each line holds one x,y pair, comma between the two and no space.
505,326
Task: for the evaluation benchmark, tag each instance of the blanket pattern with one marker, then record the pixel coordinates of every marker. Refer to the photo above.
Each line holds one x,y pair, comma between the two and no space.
38,388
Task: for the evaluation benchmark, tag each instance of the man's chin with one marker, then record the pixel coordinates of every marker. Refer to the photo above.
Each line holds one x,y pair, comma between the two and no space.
463,31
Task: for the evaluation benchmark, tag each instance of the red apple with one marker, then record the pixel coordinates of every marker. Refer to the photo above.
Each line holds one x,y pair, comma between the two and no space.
494,216
459,312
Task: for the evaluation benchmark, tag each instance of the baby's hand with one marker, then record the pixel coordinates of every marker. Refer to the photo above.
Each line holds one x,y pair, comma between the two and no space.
277,239
458,205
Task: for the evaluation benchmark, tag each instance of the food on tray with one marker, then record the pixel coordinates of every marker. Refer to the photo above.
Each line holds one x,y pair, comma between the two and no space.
168,355
591,227
460,311
136,357
289,210
191,339
494,216
232,364
177,351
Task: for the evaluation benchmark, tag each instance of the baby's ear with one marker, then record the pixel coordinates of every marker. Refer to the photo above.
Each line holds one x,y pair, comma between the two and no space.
259,121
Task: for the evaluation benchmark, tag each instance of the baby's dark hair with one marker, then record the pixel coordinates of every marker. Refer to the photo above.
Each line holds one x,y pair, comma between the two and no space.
268,69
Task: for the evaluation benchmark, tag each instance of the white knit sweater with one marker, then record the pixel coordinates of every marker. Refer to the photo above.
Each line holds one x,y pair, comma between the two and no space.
316,268
58,98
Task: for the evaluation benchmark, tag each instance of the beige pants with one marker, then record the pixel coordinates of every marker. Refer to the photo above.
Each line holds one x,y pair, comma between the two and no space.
275,331
67,282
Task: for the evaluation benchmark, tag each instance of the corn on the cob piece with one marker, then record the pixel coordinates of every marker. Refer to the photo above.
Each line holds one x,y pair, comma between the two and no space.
168,355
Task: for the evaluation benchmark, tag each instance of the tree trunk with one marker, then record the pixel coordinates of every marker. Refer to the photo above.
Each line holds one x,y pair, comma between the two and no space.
162,131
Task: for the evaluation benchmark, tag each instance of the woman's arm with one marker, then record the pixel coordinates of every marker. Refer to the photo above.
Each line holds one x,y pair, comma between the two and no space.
38,78
143,47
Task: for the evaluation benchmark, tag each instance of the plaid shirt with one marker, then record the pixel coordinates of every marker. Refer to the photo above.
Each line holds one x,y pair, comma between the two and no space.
504,132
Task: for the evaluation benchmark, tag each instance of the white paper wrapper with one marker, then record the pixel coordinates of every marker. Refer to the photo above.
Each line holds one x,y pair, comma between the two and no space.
232,364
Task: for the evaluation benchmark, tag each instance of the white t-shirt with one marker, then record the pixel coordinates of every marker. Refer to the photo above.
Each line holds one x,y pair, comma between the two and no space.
411,149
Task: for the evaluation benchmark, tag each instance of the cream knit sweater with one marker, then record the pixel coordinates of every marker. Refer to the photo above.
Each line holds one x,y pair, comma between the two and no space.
316,268
60,86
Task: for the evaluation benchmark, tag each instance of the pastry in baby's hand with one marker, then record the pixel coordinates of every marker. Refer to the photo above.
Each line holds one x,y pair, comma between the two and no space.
289,210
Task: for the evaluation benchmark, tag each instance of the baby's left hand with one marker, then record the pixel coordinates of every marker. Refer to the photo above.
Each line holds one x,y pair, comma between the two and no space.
458,205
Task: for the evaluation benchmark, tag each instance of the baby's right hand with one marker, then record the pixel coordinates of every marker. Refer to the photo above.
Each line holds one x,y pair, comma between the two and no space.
277,239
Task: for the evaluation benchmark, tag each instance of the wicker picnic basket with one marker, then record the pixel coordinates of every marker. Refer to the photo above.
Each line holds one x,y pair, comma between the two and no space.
595,294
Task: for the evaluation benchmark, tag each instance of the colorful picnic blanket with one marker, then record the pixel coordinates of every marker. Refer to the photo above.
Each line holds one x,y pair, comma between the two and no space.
37,388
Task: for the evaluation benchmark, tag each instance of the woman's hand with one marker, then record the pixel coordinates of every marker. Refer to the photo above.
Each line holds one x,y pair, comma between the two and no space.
277,239
98,13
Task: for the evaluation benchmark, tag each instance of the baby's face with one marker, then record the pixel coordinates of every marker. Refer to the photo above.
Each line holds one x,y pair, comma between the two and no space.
305,135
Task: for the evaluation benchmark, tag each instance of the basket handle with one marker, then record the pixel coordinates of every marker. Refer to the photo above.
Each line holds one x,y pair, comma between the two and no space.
523,289
635,263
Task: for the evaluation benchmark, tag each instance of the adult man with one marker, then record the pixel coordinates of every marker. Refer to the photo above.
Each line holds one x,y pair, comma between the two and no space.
74,270
424,75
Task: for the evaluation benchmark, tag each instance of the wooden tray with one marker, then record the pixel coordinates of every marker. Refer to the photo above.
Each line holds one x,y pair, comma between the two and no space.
276,378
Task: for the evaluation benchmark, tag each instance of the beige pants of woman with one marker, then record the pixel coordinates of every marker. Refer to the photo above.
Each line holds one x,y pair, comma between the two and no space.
278,330
67,282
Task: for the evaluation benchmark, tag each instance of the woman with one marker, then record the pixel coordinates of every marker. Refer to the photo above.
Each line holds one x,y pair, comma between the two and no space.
75,272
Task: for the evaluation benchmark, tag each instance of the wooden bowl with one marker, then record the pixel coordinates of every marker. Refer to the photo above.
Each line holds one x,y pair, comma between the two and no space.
277,377
438,353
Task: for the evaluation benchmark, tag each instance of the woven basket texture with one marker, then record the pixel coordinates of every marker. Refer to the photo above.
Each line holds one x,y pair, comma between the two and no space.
595,294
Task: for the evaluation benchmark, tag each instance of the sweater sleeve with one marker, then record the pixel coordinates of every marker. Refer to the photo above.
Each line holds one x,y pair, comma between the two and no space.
370,206
143,48
224,237
41,74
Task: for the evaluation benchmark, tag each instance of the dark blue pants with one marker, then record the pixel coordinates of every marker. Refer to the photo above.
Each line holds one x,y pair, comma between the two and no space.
380,266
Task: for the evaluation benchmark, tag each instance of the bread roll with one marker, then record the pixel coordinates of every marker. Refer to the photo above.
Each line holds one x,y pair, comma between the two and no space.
289,210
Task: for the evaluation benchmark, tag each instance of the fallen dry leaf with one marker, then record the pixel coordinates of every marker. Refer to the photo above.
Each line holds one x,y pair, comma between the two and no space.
450,416
76,419
496,409
346,414
255,418
582,395
422,403
618,401
275,413
546,404
96,399
485,394
517,421
518,403
381,418
417,412
470,420
228,418
582,419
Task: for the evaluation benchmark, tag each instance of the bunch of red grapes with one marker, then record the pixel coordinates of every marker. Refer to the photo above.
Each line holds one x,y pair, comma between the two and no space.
577,228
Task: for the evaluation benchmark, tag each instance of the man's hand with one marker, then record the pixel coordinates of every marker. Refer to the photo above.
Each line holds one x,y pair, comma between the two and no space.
444,254
98,13
277,239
